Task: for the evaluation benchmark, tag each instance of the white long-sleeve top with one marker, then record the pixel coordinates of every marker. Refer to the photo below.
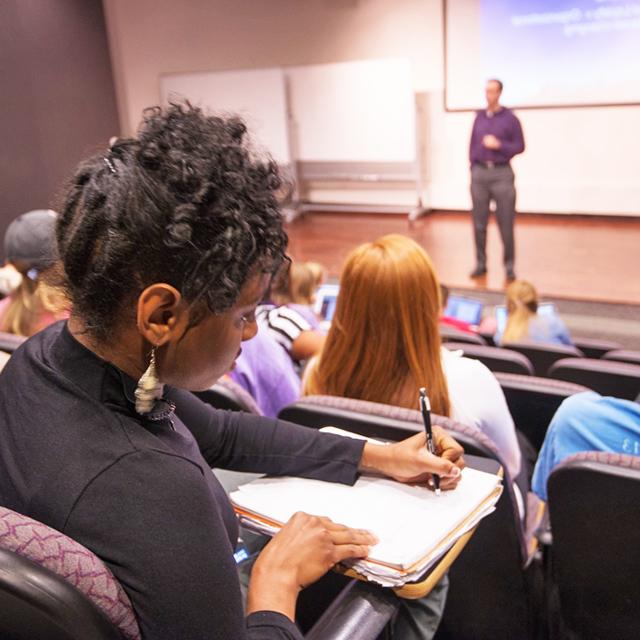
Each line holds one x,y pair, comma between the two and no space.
477,400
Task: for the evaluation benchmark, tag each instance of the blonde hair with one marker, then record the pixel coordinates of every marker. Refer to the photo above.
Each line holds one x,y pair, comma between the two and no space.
522,304
31,302
318,272
296,285
384,342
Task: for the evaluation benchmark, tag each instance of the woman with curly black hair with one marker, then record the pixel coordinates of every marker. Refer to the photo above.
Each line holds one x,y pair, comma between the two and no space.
167,243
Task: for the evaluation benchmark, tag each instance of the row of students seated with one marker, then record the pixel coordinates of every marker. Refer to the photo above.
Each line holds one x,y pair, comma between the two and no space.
166,243
523,321
389,298
165,267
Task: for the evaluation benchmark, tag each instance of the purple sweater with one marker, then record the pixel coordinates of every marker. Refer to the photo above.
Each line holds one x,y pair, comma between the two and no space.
505,126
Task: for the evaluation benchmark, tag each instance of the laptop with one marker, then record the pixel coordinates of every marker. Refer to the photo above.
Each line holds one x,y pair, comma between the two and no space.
544,309
467,310
325,304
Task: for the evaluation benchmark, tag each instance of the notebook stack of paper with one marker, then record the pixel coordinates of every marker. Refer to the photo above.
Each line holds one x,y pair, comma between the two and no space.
415,527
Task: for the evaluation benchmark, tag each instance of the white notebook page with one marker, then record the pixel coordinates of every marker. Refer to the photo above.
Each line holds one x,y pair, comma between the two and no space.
408,520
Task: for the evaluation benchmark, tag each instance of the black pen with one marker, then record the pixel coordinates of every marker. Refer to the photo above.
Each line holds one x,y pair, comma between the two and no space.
425,407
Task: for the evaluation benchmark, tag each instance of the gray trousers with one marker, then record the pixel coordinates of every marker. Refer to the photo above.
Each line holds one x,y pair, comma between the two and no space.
493,183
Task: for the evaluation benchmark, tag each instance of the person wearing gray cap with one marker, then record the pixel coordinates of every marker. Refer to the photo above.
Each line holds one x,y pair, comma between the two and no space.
30,247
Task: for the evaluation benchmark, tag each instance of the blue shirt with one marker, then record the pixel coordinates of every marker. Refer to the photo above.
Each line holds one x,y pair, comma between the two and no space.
587,422
503,125
548,329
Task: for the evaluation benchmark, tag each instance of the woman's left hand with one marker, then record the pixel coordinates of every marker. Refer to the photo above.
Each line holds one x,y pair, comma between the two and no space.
409,460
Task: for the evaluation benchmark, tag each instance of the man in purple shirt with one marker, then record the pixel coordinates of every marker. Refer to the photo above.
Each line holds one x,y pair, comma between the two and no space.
496,137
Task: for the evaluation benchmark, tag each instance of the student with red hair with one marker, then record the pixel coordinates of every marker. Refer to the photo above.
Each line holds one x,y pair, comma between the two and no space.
384,344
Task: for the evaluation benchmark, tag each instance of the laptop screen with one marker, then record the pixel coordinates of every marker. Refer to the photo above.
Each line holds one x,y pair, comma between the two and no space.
544,309
326,297
464,309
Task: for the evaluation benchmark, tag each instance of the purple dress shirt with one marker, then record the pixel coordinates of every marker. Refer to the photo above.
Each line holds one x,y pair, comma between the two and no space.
505,126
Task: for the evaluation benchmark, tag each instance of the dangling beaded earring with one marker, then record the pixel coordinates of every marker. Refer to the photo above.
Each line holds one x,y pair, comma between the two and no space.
149,388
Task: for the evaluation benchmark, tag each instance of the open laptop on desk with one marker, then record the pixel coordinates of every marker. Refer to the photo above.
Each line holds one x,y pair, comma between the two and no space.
325,304
465,309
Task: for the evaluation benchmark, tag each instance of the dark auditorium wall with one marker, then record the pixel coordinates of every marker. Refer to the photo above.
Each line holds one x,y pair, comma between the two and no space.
58,97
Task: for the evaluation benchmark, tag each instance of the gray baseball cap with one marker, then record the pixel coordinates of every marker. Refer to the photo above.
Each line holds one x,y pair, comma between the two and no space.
30,240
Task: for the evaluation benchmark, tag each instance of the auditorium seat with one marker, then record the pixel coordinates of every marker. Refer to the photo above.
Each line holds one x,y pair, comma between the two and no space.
9,342
607,377
595,553
488,338
623,355
495,571
533,401
593,347
451,334
227,394
495,358
52,587
543,355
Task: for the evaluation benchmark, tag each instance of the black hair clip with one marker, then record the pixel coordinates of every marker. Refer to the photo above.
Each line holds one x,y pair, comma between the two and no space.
107,161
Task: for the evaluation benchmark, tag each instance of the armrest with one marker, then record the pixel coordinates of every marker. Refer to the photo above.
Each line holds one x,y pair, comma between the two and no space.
360,612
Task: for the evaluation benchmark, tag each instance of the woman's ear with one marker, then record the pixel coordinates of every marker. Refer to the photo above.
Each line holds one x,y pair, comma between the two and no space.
161,313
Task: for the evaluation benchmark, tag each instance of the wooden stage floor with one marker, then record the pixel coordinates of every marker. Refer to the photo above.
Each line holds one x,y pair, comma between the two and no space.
577,257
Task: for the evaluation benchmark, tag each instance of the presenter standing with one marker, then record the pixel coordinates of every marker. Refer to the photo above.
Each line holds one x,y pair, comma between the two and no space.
496,137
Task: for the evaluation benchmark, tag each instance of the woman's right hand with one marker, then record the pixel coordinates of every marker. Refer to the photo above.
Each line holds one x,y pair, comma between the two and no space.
298,555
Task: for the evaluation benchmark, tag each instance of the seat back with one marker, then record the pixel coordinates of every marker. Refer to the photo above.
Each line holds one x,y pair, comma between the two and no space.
595,348
623,355
496,556
50,582
451,334
533,401
595,553
9,342
36,603
495,358
229,395
607,377
488,338
543,355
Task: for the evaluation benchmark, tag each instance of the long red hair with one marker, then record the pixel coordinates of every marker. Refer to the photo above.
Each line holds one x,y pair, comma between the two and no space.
384,342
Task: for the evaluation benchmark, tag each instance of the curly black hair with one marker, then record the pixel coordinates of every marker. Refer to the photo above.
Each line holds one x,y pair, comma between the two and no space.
186,202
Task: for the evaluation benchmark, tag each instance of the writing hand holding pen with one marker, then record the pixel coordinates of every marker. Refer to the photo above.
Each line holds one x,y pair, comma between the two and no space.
409,461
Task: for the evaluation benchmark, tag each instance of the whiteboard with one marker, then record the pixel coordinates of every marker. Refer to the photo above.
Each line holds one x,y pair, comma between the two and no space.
354,111
257,95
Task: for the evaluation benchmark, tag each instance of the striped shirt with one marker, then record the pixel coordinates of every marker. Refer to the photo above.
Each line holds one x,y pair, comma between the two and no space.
283,323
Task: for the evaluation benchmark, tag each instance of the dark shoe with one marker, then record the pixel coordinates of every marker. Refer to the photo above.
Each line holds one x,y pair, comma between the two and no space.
478,272
510,276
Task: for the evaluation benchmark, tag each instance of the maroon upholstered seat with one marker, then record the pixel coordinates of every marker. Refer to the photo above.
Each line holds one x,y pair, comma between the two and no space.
607,377
76,564
543,355
451,334
533,401
9,342
623,355
595,556
498,556
495,358
227,394
595,347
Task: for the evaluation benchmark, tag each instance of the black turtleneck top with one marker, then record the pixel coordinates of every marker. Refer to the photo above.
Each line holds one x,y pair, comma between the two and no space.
140,493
